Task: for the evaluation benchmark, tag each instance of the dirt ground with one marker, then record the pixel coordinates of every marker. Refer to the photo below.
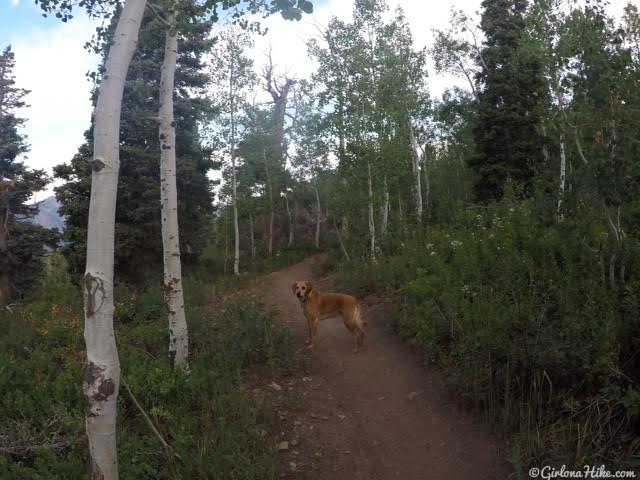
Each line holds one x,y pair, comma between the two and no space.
379,414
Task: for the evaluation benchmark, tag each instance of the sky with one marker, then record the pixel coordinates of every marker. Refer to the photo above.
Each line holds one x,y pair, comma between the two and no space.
52,63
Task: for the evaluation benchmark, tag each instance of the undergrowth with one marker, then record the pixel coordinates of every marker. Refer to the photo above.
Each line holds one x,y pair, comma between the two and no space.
216,429
530,328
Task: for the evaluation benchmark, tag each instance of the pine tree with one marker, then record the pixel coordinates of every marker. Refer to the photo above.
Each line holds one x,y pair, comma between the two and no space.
507,135
21,244
138,236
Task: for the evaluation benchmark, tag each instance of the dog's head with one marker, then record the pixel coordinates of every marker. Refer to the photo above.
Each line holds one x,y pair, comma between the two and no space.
302,289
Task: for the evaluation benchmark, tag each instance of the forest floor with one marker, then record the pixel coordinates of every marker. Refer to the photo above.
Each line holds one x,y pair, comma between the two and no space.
376,415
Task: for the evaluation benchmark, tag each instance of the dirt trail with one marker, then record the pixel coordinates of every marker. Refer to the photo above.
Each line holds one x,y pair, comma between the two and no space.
378,414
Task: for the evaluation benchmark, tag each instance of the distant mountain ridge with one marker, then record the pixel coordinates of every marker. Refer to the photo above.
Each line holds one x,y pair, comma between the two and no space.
48,215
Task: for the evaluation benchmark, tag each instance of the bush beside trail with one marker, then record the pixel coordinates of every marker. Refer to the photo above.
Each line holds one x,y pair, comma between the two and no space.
215,429
533,332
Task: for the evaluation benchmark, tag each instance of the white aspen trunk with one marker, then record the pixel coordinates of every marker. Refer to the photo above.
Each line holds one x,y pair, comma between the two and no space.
318,216
253,242
427,182
173,295
342,247
226,246
102,372
271,212
345,219
271,220
290,217
384,220
232,148
236,227
415,167
563,178
372,225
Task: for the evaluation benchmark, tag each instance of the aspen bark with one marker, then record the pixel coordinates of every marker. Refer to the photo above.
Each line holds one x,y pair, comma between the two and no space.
415,167
342,247
318,216
372,225
271,222
290,217
173,295
427,181
253,243
384,210
271,209
232,148
232,154
563,178
102,371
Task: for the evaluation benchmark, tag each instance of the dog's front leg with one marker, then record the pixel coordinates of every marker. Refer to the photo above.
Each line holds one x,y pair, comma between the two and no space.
313,330
309,321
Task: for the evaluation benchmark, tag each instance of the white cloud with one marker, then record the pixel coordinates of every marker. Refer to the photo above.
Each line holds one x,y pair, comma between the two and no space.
14,3
52,64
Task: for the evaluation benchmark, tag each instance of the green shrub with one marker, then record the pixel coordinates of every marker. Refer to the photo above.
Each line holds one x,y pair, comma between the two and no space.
533,333
213,425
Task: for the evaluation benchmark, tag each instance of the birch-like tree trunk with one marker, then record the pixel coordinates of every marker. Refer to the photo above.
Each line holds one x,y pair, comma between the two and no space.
173,295
290,217
102,372
232,148
271,207
372,225
563,178
415,167
253,241
427,181
318,215
384,210
342,247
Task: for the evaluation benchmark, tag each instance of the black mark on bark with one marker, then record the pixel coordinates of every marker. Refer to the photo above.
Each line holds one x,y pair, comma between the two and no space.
90,287
97,165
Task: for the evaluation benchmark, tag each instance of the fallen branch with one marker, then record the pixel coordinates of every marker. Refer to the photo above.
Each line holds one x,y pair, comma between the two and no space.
168,449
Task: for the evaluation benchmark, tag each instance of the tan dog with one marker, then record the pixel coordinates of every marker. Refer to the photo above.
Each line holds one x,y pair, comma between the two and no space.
318,306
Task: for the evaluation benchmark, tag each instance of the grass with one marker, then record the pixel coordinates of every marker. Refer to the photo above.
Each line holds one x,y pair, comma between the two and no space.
531,334
207,416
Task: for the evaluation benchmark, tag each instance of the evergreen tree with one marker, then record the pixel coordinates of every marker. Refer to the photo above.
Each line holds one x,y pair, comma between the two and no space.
138,238
21,244
507,131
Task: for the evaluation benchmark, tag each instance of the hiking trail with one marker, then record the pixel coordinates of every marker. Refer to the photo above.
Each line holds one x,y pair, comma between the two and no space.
379,414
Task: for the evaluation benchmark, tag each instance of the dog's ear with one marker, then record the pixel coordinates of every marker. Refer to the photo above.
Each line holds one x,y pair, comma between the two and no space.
309,286
293,287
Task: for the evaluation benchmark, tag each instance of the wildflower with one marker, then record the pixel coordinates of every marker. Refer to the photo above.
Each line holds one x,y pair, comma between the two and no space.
455,244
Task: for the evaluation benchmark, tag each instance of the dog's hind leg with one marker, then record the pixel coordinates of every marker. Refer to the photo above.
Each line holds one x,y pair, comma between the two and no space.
359,324
349,317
